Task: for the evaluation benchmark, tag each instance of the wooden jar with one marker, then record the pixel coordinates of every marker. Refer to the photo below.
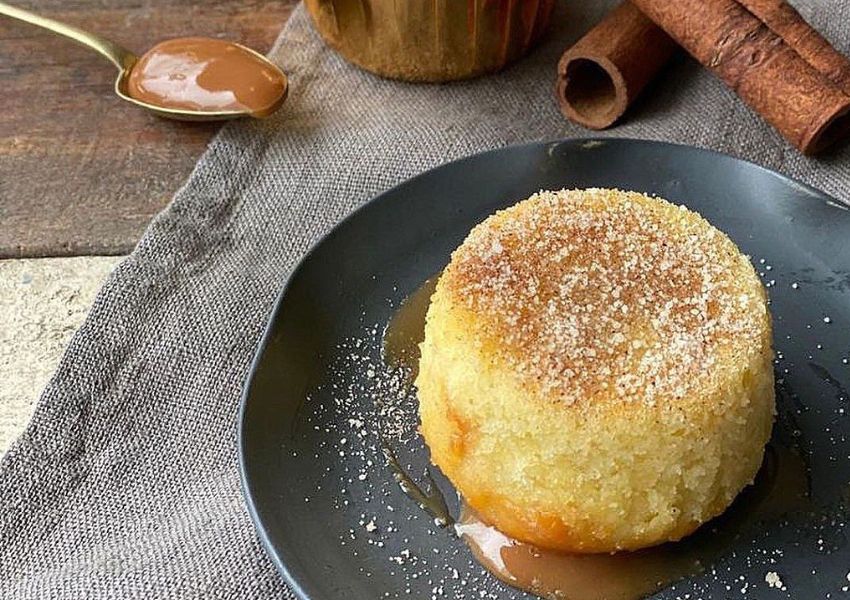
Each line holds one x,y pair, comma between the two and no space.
431,40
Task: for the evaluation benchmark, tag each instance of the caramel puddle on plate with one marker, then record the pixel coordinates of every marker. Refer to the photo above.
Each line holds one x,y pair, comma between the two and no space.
781,487
406,329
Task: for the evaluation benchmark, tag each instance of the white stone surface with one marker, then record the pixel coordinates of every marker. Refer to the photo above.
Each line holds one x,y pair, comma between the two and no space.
43,301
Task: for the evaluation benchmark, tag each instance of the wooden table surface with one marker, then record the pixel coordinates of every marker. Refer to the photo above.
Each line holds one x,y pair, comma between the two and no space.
82,172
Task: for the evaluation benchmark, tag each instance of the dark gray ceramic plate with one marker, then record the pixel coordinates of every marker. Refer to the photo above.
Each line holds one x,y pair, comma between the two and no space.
326,506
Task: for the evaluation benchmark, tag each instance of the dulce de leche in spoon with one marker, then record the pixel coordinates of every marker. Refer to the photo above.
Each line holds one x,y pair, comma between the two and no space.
207,75
190,79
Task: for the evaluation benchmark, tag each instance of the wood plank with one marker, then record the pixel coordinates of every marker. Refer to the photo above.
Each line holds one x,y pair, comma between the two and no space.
82,172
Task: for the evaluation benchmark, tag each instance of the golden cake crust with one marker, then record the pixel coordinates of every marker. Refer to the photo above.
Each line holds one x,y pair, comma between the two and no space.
596,372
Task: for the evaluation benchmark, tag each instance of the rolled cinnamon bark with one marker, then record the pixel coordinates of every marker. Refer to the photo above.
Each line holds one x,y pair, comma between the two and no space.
602,74
788,24
767,73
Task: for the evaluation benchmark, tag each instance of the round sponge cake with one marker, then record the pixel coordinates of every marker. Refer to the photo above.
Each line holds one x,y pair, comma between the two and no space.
596,373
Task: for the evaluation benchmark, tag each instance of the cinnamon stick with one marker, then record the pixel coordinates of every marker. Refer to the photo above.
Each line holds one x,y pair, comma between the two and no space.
766,72
603,73
788,24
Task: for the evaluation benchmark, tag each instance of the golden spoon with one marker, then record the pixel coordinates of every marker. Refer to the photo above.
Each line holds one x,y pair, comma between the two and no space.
126,61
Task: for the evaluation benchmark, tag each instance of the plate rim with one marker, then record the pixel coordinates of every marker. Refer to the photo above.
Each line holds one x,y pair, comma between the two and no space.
298,587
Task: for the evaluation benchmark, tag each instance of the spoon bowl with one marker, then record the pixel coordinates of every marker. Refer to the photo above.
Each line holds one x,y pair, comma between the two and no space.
182,114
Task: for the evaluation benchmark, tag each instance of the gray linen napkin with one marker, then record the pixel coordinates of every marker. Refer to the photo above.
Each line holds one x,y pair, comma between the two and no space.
125,484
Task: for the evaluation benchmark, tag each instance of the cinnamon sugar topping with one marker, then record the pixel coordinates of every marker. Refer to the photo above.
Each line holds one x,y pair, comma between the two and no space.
601,292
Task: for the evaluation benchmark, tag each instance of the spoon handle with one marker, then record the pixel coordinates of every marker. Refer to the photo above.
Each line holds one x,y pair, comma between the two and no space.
120,57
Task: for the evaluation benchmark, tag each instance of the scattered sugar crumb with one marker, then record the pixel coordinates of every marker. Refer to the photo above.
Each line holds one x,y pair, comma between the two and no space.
773,580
